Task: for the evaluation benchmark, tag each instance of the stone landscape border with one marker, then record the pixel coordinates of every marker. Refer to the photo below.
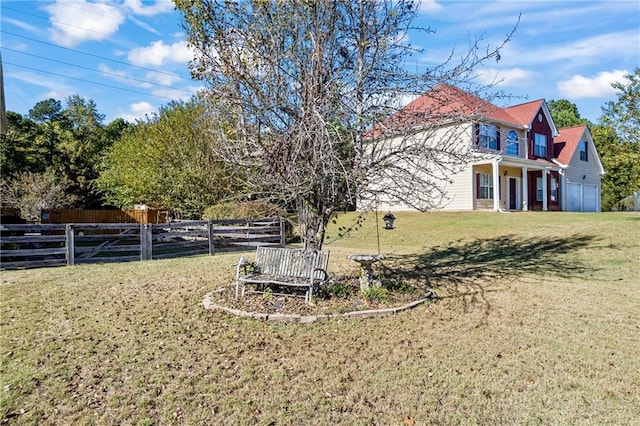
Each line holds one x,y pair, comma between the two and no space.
306,319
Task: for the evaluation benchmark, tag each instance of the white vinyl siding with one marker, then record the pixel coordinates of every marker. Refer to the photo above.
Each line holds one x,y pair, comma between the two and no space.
459,192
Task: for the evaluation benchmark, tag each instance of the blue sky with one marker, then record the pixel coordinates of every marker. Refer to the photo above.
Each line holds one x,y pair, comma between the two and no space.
130,56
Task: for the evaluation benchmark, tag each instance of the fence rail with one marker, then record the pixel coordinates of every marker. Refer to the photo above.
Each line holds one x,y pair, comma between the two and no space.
31,246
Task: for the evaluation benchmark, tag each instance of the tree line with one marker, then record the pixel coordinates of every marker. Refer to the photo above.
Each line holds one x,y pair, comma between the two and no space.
62,155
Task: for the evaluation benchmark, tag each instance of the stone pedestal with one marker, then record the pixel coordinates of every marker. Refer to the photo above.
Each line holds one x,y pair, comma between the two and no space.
366,262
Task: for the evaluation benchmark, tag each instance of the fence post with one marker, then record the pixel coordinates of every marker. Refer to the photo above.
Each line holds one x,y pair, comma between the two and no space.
282,232
212,248
70,245
146,248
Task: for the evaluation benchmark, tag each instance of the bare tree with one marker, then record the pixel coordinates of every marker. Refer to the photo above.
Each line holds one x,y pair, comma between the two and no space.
294,87
31,193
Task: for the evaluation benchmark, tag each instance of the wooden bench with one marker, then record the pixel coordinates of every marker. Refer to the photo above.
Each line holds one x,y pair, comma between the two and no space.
284,267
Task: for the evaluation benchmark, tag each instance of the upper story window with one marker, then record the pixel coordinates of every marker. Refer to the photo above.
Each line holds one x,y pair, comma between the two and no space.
512,143
540,145
583,151
488,136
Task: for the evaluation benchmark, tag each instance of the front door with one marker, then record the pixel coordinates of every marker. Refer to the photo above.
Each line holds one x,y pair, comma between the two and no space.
514,194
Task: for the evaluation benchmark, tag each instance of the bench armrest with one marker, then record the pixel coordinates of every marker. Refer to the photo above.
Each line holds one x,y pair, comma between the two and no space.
326,276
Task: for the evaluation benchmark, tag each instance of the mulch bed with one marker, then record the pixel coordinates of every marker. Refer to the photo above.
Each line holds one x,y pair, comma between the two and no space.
283,301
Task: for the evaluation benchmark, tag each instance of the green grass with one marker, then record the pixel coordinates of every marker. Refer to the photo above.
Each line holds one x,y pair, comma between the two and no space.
537,322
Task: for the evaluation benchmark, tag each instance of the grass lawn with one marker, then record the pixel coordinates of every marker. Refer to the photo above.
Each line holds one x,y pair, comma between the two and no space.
537,321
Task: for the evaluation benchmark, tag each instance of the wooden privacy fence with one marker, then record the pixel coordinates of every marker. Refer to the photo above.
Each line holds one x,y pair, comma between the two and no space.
38,245
63,216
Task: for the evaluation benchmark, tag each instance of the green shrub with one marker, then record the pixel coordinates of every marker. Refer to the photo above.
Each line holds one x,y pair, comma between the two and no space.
341,290
376,294
249,210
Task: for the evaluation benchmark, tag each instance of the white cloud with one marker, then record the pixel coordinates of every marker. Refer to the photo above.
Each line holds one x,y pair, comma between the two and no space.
158,53
506,77
175,94
598,86
586,50
164,78
22,25
430,6
138,111
121,76
76,21
144,26
143,8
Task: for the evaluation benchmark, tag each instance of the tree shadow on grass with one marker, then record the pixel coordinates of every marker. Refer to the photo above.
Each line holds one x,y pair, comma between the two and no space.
469,269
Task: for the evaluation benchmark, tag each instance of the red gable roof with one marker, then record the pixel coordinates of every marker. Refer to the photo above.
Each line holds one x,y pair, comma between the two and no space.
567,141
441,104
525,113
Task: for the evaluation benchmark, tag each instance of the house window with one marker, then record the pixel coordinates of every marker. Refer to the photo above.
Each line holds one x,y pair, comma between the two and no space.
485,186
539,189
540,146
583,151
512,143
554,189
488,136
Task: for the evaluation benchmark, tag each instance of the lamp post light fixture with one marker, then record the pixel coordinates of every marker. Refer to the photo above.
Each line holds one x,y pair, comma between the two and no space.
388,220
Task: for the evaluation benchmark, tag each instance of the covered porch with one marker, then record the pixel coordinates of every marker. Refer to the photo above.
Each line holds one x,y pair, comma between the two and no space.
517,185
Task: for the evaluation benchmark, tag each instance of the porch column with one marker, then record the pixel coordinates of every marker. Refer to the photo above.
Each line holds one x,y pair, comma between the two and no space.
496,186
545,206
563,191
525,189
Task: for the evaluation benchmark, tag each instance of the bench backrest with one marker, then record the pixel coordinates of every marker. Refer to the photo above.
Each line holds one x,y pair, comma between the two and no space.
291,262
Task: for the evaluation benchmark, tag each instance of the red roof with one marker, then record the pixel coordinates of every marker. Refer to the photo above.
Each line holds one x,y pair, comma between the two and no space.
441,104
524,113
567,141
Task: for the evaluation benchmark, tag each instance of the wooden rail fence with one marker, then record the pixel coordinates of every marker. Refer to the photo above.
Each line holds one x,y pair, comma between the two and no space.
25,246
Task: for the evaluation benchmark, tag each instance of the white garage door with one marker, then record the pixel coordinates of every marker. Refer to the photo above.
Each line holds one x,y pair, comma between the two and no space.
574,191
582,198
589,198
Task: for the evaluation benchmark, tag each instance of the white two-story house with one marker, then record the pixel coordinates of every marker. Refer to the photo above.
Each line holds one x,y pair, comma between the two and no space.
519,160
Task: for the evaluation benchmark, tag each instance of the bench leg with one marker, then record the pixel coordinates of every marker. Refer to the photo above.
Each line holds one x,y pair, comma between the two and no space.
239,289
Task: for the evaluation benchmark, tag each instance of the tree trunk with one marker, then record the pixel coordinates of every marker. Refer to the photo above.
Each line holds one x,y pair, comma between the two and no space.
311,226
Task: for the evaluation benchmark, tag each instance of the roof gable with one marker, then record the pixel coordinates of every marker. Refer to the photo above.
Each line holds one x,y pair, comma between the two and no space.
443,103
568,140
527,112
